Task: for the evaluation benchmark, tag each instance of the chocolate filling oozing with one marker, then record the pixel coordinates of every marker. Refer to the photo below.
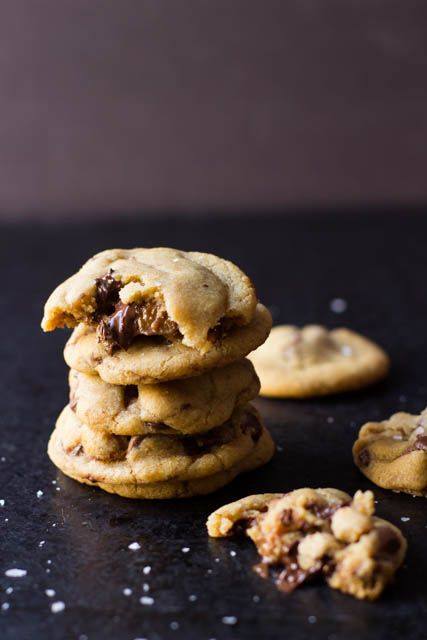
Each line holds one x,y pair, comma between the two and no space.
107,294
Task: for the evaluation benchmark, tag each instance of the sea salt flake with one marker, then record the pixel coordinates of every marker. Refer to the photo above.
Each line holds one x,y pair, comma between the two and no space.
9,590
2,503
15,573
134,546
330,419
192,598
146,600
185,549
312,619
41,543
50,593
233,553
229,620
39,493
174,625
58,606
5,606
127,591
405,518
146,570
256,598
146,587
338,305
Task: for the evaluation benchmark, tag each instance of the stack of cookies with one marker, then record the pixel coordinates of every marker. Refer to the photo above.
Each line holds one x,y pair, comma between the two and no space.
159,384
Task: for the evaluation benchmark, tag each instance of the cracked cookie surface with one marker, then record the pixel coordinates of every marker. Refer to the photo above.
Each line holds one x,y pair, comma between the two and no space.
312,361
393,453
188,297
151,361
310,533
190,405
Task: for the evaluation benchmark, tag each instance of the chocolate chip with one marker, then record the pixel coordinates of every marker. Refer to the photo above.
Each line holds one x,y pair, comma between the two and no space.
364,458
326,511
286,517
107,294
252,425
388,541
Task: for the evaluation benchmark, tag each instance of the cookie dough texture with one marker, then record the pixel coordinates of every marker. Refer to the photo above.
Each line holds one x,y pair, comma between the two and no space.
310,533
190,405
393,453
312,361
161,466
149,361
197,290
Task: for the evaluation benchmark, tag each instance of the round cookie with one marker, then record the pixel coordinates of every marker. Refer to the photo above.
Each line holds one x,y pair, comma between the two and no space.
190,405
149,361
393,453
317,532
76,466
157,457
312,361
189,297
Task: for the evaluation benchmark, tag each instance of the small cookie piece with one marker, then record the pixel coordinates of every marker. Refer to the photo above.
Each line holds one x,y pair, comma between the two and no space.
183,296
317,532
191,405
149,361
76,464
312,361
158,457
393,453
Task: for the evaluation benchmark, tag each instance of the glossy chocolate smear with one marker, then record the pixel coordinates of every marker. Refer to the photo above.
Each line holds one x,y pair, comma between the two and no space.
252,425
131,320
107,294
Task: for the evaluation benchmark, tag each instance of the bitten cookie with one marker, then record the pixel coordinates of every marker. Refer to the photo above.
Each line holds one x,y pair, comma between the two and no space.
191,405
186,297
393,453
152,361
160,466
311,533
312,361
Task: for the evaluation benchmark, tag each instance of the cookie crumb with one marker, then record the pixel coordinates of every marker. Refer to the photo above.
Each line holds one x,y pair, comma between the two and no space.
58,606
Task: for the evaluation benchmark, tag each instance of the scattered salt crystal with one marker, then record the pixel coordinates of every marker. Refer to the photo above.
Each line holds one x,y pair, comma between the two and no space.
39,493
233,553
256,598
48,561
5,606
402,398
56,607
127,591
15,573
217,560
146,570
53,481
2,503
330,419
279,449
6,519
9,590
192,598
338,305
230,620
209,571
405,519
174,625
47,570
147,600
41,543
53,524
185,549
50,593
312,619
146,587
134,546
3,459
58,488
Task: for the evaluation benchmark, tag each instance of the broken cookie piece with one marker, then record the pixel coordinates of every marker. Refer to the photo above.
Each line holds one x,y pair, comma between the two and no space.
183,296
311,533
393,453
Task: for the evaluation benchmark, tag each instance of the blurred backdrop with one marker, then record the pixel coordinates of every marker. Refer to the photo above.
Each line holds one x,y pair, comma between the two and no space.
110,107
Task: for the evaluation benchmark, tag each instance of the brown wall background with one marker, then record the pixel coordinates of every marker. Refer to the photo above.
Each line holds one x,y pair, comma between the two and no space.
111,106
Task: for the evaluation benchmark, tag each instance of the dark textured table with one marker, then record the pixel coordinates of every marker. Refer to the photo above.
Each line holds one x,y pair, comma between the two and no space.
74,539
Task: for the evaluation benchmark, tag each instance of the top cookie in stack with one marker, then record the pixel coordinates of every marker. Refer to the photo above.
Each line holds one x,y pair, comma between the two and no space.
147,321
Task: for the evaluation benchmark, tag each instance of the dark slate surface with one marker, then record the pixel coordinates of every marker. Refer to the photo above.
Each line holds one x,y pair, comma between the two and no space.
74,539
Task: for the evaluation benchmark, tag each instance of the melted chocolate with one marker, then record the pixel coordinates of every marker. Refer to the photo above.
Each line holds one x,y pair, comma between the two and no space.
221,329
199,444
326,511
252,425
107,294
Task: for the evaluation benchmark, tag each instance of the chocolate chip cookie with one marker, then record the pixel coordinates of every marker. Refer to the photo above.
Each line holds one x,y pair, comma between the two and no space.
393,453
190,298
152,360
190,405
312,361
160,465
312,533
